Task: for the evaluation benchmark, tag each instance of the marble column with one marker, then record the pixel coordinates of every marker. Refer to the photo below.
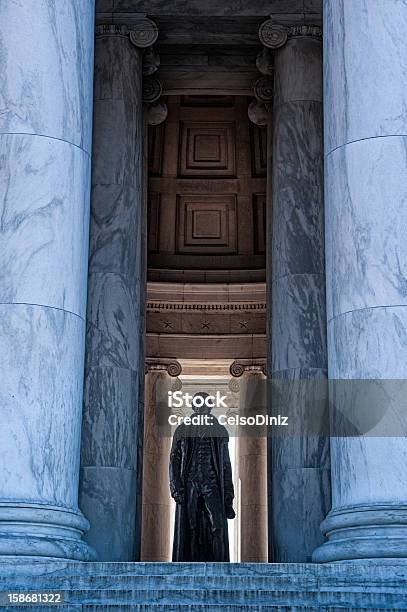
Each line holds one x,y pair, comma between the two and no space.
111,456
252,466
365,94
46,65
299,490
156,535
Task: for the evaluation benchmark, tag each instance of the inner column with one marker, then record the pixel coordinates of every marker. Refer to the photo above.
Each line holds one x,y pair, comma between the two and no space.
298,462
114,376
251,495
156,524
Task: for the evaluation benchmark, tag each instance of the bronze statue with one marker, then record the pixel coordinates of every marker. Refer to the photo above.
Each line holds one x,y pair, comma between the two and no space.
201,485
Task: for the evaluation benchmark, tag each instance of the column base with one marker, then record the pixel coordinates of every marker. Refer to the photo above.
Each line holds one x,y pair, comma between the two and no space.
35,530
377,531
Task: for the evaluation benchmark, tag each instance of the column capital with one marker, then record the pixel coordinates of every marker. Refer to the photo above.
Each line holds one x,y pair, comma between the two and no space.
259,109
111,29
151,61
259,113
152,89
252,366
171,366
157,110
273,35
305,30
264,61
157,113
263,89
142,34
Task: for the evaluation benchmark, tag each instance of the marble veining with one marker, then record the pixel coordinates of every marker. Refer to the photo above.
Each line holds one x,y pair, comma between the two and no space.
116,157
298,322
44,222
41,404
365,70
298,462
117,70
366,225
298,221
107,495
370,343
112,420
296,79
113,324
295,393
50,94
368,471
366,197
108,427
46,69
300,496
115,238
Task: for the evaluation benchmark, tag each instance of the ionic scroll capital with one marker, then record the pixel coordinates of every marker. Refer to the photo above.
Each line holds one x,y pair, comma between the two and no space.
152,89
259,109
171,366
156,109
151,61
263,89
253,366
259,113
143,33
273,35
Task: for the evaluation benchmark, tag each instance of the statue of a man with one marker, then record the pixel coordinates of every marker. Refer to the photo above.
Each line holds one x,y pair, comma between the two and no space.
201,485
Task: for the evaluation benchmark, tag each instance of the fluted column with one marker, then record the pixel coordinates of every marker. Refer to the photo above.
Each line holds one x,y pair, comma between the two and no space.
365,93
299,463
114,375
156,535
46,66
252,464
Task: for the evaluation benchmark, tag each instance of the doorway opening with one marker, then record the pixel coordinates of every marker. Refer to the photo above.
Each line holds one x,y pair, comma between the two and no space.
206,304
248,456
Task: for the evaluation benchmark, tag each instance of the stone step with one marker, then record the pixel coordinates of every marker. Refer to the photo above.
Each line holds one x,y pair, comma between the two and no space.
185,586
341,573
163,583
293,582
183,608
191,597
144,568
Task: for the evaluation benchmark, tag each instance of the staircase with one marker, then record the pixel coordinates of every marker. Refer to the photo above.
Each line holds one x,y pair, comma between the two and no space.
203,586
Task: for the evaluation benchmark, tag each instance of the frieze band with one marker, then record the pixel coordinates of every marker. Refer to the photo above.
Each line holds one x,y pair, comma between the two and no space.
200,306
